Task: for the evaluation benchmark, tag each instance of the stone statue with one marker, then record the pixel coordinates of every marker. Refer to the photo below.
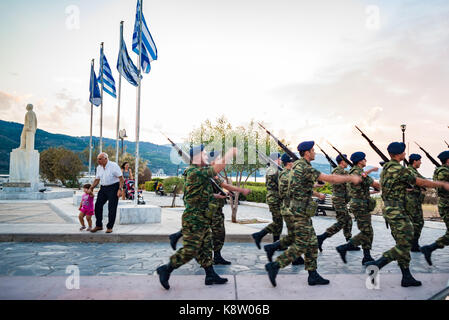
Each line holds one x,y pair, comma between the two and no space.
29,130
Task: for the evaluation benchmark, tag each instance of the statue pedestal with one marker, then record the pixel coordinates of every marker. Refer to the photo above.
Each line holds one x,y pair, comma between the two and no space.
24,168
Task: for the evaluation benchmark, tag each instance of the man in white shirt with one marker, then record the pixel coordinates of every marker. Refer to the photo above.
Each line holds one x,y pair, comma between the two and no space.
110,176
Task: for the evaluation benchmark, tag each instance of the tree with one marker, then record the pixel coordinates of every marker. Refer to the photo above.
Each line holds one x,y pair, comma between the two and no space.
61,164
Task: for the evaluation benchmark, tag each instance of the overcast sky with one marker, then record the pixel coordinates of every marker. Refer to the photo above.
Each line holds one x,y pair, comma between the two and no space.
310,70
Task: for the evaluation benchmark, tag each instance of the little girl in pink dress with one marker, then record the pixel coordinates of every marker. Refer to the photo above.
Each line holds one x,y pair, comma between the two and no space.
86,208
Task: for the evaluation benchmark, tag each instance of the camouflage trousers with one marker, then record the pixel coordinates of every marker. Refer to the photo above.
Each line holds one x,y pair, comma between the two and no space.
363,218
413,208
218,230
402,231
305,242
288,240
344,220
275,227
444,213
197,241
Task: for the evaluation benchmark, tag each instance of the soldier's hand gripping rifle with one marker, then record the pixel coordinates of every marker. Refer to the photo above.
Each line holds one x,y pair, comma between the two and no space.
342,156
280,144
429,156
187,159
373,146
268,160
332,163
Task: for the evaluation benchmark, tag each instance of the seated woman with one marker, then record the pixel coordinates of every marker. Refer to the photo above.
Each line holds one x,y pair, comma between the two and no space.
127,175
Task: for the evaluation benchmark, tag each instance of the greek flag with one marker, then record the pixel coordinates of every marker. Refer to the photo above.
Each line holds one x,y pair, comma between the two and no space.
126,67
95,95
108,80
149,50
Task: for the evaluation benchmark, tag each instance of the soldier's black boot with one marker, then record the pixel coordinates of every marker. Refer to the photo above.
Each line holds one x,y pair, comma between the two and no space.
272,269
212,277
258,236
380,263
352,247
218,259
366,256
427,251
270,249
415,246
164,274
408,280
315,278
342,251
174,239
276,238
321,239
298,261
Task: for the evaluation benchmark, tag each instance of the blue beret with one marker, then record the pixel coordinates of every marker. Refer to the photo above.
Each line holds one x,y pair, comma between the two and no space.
286,158
443,156
275,155
414,157
196,149
340,159
306,145
358,156
396,147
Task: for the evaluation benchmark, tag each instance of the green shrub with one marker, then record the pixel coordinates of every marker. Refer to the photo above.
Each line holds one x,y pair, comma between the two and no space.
149,185
258,194
252,184
170,183
327,189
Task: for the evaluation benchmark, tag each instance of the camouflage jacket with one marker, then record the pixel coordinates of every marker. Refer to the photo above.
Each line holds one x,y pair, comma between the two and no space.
360,191
442,174
272,184
284,177
395,179
339,190
303,177
219,202
198,191
417,191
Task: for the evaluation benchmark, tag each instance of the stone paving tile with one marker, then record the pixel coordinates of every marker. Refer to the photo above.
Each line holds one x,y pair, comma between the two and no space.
28,213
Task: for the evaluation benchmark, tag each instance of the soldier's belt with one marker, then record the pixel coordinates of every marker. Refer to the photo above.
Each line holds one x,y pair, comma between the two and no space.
359,200
394,203
339,195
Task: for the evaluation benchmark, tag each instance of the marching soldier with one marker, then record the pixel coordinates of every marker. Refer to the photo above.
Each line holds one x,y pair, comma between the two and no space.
413,202
395,179
300,190
361,205
197,218
340,199
274,203
289,218
442,175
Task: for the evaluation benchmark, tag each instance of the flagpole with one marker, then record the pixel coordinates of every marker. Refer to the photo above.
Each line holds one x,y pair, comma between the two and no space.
101,112
136,173
118,105
91,120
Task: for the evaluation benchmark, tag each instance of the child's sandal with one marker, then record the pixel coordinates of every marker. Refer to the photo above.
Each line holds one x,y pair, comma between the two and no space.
82,228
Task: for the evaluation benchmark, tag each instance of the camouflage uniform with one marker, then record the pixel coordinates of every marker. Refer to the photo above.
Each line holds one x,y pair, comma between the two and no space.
413,205
442,174
197,218
339,201
218,228
288,216
303,177
359,207
395,179
273,201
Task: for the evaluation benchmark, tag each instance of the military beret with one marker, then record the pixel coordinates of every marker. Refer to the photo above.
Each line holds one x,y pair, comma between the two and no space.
196,149
358,156
443,156
396,147
414,157
286,158
306,145
275,155
340,159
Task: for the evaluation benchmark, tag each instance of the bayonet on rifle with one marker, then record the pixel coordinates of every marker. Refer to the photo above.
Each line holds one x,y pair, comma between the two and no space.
280,144
332,163
341,155
429,156
268,160
446,143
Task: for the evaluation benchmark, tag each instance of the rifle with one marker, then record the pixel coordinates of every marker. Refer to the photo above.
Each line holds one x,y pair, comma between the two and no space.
332,163
188,159
268,160
429,156
446,143
280,144
341,155
373,146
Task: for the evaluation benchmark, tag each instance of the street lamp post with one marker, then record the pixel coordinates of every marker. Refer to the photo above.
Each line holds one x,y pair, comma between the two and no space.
122,136
403,127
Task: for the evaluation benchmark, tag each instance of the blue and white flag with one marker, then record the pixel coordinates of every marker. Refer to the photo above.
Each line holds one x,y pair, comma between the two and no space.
108,80
149,50
95,94
126,67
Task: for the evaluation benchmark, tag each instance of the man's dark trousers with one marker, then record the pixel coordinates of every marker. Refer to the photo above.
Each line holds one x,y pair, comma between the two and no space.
107,193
